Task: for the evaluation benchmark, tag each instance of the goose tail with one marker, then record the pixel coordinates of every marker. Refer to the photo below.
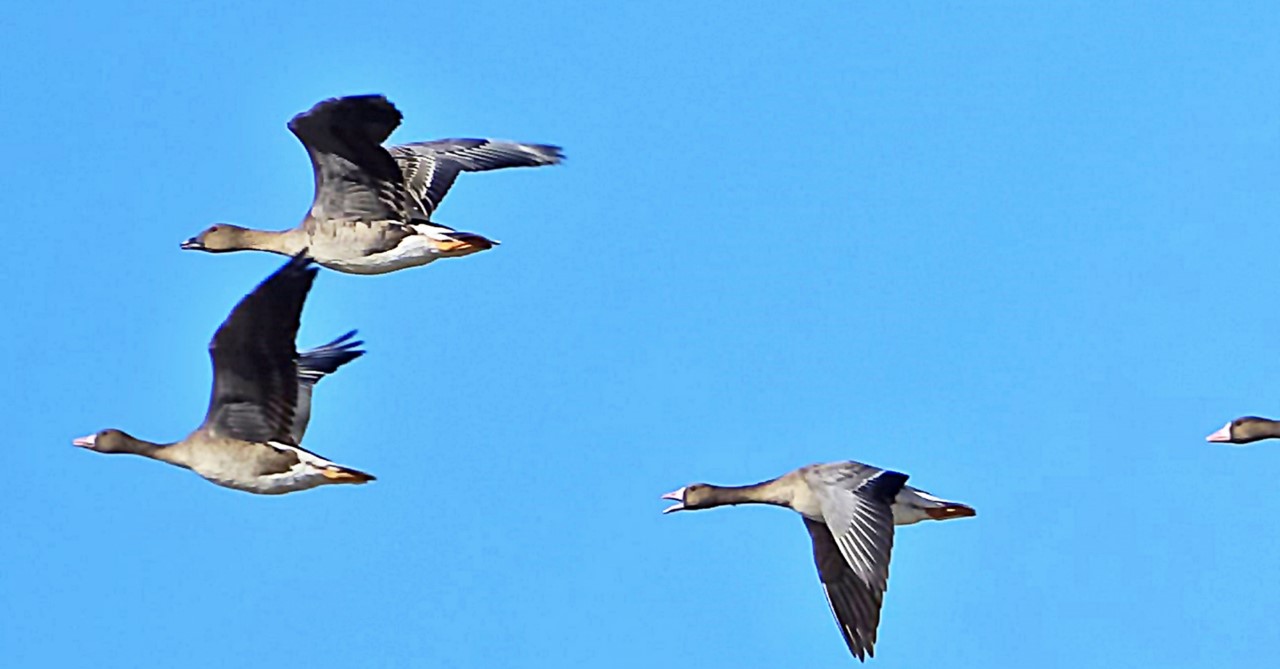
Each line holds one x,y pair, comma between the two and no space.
459,243
913,505
951,510
448,242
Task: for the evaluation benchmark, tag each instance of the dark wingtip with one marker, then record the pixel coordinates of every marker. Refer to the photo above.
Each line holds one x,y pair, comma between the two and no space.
372,117
327,358
345,337
301,262
296,271
373,103
366,97
555,154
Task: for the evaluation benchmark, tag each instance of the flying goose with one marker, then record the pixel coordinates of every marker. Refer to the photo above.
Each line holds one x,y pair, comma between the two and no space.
372,208
849,509
1245,430
261,399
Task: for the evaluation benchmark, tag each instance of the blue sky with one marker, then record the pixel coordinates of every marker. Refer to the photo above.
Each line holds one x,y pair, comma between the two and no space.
1025,254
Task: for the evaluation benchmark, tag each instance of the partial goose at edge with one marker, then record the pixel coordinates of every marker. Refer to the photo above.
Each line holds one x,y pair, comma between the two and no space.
1246,430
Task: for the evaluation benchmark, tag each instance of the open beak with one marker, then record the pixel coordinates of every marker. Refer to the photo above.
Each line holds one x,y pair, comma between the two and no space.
192,244
85,442
678,497
1223,435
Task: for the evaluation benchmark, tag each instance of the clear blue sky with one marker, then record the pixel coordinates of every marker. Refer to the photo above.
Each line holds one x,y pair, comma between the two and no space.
1025,254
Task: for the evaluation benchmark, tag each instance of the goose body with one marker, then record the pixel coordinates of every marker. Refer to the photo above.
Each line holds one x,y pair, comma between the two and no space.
268,468
261,400
850,510
387,247
372,209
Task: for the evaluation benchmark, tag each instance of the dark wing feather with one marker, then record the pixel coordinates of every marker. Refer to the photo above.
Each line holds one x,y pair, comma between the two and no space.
430,168
855,606
852,551
356,179
255,370
313,365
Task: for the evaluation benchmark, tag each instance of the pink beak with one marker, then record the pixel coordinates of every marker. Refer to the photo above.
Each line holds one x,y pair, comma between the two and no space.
678,497
1223,435
85,442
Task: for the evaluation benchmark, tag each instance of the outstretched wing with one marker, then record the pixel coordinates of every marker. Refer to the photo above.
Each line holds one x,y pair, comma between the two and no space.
852,548
255,370
356,179
429,168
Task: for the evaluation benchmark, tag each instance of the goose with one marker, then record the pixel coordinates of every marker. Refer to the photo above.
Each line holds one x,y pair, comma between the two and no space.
850,510
372,209
261,400
1246,430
